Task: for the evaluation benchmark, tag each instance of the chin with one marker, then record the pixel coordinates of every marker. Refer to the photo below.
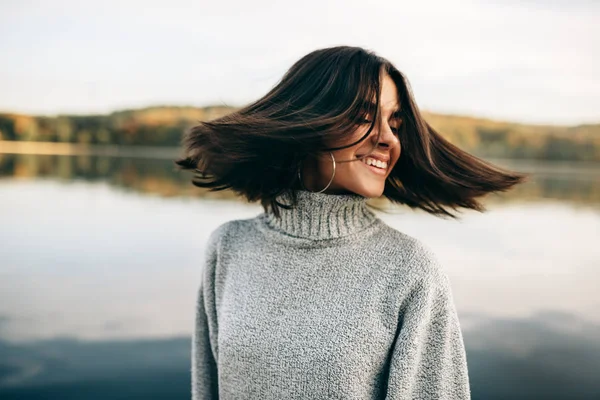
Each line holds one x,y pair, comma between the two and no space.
370,190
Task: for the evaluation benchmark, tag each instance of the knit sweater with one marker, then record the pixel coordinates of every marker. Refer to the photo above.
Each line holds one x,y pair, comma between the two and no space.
327,302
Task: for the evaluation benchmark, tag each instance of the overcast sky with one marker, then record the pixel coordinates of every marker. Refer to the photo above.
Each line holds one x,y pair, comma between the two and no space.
523,60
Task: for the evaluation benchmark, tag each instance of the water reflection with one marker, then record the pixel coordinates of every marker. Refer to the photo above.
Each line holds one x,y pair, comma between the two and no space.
551,355
548,356
93,243
577,184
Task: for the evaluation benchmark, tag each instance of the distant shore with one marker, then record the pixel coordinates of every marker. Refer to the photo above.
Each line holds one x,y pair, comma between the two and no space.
77,149
143,133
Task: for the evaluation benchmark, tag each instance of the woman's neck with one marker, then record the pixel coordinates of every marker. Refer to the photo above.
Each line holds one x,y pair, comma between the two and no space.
322,216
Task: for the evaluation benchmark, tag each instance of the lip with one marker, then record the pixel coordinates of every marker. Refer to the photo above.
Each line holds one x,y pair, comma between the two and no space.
379,157
375,170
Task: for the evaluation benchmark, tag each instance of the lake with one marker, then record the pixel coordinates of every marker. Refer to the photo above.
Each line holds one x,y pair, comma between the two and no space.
100,263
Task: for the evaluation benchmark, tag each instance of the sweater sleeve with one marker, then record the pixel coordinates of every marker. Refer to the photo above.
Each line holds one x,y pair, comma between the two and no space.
204,367
428,359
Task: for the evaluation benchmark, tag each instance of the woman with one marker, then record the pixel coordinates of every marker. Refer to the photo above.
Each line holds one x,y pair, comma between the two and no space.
316,297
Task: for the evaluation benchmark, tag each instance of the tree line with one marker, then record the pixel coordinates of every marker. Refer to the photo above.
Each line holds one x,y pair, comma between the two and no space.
164,126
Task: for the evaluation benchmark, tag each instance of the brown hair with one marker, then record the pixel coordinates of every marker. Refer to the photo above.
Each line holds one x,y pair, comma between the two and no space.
256,151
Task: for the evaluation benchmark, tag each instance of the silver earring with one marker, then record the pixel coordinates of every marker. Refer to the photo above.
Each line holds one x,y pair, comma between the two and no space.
330,180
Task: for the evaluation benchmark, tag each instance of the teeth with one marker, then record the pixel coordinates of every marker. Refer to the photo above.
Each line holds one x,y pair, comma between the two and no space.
374,162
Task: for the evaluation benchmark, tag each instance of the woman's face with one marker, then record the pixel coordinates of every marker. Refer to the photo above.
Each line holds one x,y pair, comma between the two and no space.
357,176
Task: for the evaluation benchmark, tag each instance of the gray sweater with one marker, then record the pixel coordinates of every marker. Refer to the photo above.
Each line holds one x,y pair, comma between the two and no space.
327,302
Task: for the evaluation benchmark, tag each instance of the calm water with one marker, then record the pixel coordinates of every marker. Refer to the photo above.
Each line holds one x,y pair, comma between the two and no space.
99,266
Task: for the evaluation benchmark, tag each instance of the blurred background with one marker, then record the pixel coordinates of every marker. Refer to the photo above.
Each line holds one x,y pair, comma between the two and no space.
101,237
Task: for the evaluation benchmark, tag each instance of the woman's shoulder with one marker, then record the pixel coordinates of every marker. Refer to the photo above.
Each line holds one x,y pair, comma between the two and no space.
230,230
411,254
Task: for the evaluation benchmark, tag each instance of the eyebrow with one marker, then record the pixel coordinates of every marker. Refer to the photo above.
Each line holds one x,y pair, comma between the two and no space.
370,107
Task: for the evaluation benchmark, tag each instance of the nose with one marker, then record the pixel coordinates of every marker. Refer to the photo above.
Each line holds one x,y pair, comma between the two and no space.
388,138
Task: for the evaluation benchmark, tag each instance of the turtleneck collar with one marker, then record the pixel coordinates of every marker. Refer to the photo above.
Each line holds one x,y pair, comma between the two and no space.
322,216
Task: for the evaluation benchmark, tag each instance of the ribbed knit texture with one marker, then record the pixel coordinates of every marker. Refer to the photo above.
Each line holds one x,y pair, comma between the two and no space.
327,302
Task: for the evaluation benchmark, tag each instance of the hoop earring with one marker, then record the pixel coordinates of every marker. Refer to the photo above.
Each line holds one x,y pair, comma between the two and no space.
330,180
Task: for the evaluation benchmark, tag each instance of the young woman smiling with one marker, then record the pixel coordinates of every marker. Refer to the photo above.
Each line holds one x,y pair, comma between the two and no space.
316,297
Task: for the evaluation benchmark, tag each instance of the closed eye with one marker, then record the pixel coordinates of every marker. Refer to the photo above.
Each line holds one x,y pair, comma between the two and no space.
394,129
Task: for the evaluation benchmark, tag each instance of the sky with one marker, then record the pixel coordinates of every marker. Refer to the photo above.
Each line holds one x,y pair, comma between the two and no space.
532,61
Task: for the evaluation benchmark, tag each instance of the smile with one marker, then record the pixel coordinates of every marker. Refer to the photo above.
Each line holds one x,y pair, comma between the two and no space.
382,171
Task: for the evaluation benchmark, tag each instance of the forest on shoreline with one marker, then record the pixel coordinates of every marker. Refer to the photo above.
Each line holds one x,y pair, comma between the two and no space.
164,126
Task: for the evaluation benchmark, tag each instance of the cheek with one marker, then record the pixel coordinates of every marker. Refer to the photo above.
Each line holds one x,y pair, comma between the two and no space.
344,155
355,136
343,170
